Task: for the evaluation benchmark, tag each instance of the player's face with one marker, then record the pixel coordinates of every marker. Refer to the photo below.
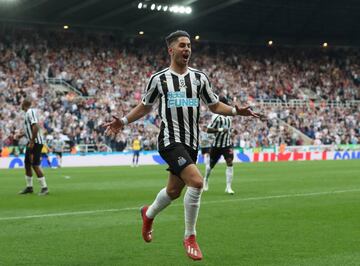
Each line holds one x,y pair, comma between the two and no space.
180,51
23,106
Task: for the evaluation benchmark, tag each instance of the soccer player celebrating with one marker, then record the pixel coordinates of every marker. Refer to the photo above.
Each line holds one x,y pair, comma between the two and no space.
179,90
221,146
33,149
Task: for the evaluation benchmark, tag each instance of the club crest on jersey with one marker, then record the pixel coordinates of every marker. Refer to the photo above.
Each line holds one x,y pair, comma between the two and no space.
179,99
196,82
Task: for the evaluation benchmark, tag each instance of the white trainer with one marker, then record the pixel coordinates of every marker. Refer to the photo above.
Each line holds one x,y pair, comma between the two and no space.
228,190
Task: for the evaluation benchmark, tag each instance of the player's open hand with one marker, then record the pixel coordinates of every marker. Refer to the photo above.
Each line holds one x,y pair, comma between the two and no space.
248,112
114,126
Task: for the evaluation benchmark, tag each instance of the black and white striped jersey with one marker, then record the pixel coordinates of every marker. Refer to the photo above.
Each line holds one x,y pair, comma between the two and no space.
179,104
30,119
222,139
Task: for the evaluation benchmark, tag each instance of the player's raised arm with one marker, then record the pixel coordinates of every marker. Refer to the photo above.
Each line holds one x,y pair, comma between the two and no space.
117,124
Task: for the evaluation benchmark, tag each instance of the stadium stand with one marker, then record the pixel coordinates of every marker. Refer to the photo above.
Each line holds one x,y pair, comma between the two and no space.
311,95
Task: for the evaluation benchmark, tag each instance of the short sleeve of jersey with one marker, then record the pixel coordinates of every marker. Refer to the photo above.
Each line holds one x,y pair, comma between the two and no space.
31,115
151,93
207,95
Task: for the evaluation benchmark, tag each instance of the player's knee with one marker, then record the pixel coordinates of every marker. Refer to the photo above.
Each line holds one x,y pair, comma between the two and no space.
36,167
229,162
197,183
173,193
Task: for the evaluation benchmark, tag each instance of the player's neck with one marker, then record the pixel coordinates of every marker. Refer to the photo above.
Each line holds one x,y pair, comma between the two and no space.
179,69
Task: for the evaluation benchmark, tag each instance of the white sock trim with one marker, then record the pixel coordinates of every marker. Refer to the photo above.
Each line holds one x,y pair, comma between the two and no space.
229,175
29,181
207,160
191,208
207,172
42,182
161,201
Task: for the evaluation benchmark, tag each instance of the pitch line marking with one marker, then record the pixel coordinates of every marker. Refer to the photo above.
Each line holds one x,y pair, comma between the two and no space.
203,202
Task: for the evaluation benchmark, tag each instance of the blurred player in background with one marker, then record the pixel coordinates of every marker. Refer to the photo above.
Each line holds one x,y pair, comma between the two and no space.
179,90
58,146
136,147
33,149
222,146
45,154
205,145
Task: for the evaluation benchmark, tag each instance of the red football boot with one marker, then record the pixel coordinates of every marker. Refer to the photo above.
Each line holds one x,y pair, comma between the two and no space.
147,225
192,248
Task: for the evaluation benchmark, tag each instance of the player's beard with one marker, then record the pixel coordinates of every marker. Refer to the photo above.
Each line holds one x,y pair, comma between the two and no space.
182,61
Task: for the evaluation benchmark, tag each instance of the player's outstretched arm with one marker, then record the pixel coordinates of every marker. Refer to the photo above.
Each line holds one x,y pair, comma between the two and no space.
224,109
248,112
117,124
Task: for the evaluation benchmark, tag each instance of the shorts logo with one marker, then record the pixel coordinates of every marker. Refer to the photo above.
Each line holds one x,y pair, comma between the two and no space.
181,161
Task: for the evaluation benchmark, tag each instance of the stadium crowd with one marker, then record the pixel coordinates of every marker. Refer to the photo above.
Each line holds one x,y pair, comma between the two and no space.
111,76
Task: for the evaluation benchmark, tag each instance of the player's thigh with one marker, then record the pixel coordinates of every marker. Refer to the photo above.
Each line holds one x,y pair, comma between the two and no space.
175,186
28,157
36,153
192,176
214,156
228,154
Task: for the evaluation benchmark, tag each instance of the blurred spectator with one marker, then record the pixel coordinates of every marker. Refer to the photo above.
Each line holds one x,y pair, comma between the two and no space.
113,75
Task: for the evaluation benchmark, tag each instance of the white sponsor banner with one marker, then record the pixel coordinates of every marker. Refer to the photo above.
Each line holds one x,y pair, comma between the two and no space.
153,158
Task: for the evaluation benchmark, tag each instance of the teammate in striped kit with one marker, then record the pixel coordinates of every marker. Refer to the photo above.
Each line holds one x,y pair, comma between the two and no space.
179,90
206,140
33,149
58,146
222,146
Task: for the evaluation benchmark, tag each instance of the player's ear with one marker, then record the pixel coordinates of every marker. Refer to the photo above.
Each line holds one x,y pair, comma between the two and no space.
170,50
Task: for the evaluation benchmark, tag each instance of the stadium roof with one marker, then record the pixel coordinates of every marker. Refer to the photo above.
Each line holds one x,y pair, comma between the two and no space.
248,21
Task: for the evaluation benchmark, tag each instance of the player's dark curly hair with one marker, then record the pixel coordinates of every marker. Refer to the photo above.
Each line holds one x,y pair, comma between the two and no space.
175,35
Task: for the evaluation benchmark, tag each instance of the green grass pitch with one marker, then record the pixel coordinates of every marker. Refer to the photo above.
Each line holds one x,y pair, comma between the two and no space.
294,213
